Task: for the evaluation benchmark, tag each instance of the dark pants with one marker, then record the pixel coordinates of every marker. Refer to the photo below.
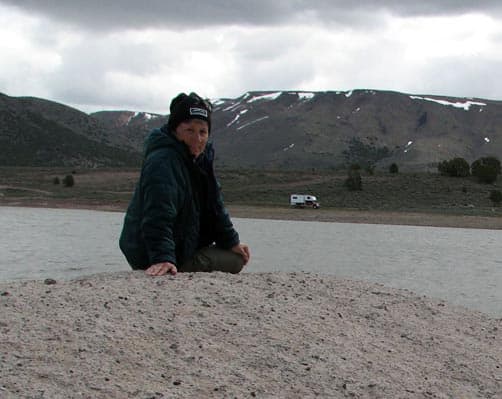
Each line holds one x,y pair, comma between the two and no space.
212,259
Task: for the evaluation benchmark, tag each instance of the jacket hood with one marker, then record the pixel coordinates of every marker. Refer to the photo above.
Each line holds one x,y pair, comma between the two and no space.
160,138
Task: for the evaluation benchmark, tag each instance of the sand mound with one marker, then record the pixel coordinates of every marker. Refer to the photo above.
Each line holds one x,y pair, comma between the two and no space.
298,335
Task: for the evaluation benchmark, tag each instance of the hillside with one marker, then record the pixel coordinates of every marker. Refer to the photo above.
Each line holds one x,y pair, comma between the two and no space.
268,130
37,132
299,130
129,128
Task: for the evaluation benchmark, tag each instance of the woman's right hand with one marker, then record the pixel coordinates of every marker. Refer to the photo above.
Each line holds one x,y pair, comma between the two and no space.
159,269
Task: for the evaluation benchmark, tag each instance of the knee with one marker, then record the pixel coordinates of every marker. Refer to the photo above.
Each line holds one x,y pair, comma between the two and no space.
239,265
235,264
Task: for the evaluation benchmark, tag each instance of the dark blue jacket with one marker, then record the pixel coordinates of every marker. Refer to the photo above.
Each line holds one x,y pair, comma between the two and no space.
177,206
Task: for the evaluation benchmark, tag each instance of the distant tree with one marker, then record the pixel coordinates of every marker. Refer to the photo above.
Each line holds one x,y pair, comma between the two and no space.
56,180
443,168
393,168
486,169
364,151
494,162
496,197
68,181
456,167
354,181
370,169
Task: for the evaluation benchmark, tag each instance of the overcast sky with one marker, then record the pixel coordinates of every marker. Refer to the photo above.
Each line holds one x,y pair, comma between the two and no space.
137,55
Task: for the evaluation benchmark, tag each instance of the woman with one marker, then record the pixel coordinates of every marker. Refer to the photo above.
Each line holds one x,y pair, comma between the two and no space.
176,220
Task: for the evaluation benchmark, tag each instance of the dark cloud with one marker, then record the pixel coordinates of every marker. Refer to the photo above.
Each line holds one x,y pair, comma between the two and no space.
442,7
80,55
112,15
190,14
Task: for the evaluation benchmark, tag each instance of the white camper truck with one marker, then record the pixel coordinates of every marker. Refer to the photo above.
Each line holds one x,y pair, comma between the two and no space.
303,200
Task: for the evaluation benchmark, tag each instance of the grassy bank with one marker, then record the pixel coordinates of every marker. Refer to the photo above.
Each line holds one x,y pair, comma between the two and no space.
417,192
112,189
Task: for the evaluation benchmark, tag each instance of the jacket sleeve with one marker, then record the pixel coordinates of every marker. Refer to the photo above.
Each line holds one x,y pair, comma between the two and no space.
162,189
226,236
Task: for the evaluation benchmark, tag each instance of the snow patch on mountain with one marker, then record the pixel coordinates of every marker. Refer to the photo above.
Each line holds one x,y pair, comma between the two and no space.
150,116
407,146
132,117
465,105
237,117
252,122
233,120
143,115
232,107
305,96
267,97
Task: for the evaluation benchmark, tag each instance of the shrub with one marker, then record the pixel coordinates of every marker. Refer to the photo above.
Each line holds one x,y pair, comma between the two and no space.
354,181
492,161
443,168
370,169
496,197
68,181
486,169
56,180
459,167
456,167
393,168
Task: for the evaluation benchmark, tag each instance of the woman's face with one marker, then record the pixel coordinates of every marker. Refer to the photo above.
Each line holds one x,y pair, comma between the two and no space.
194,133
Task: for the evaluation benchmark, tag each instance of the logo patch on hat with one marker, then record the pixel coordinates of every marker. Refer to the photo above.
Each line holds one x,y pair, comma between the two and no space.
198,112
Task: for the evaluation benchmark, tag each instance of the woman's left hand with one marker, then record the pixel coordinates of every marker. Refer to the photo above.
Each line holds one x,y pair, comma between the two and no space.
243,250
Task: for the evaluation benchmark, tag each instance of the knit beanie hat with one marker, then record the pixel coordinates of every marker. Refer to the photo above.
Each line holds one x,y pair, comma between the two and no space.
185,107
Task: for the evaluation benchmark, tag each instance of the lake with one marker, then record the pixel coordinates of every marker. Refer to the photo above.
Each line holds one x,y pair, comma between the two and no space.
462,266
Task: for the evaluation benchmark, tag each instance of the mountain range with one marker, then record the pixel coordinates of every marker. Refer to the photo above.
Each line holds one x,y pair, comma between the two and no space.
283,129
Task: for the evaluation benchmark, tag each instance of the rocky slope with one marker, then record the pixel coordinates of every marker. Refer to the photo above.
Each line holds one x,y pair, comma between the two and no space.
288,129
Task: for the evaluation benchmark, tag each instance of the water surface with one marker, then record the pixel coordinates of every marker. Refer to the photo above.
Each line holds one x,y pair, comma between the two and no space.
463,266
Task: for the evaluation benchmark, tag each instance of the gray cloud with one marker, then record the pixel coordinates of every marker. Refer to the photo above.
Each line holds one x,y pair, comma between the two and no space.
100,55
85,76
450,76
190,14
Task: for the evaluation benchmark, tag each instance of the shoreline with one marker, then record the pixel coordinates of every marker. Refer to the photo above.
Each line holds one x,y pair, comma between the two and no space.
333,215
213,335
338,215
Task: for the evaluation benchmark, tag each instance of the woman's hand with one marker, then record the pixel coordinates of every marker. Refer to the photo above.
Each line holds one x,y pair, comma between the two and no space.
243,250
159,269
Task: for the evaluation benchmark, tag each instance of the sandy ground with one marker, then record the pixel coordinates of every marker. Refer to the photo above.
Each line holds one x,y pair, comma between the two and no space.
300,335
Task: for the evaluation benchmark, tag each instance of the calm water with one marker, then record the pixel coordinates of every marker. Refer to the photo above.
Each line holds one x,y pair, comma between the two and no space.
463,266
